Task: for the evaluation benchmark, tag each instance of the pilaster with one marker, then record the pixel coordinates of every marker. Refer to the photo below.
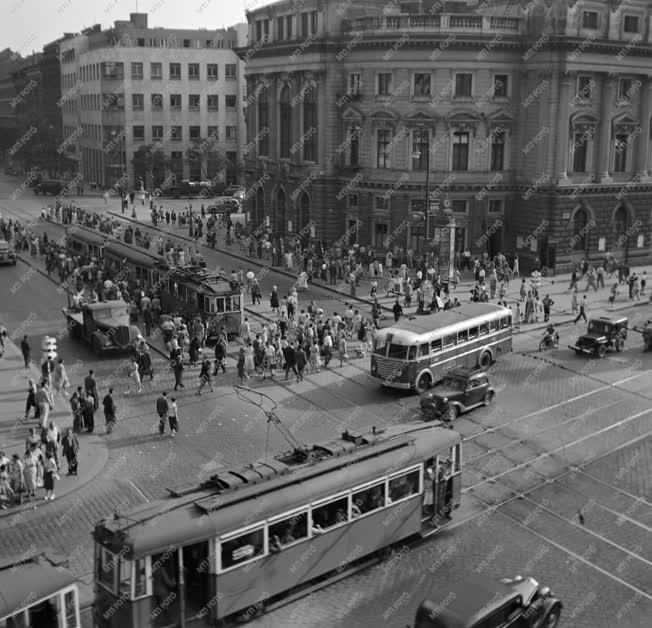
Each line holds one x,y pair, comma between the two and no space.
609,87
643,139
562,129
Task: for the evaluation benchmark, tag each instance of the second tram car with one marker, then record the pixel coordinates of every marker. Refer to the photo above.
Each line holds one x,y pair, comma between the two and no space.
252,535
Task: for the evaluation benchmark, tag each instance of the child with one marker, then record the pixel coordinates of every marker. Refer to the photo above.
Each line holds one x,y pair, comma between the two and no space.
173,416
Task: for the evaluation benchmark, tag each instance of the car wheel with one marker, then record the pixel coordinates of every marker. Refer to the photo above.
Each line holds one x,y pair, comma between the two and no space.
488,398
601,351
451,413
619,344
485,360
424,382
552,618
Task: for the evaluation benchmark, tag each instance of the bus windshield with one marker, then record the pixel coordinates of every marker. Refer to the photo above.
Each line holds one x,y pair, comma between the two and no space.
380,346
397,351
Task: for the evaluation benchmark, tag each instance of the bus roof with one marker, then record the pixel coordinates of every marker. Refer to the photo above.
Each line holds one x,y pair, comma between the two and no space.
409,331
24,581
207,513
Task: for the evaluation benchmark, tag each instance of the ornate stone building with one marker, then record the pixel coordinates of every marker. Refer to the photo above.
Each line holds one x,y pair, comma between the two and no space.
529,123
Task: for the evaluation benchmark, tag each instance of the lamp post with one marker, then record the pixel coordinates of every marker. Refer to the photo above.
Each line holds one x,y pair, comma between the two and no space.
417,154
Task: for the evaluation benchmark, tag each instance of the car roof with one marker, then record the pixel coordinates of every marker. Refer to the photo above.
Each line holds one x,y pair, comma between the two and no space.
611,321
105,305
466,372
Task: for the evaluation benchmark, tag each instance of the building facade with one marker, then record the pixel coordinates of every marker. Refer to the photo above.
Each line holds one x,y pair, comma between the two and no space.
170,90
529,124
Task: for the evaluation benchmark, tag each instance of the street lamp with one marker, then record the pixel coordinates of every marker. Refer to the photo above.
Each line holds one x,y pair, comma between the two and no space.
417,155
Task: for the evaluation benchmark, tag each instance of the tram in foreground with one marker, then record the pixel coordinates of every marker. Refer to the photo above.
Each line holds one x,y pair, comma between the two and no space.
37,591
242,541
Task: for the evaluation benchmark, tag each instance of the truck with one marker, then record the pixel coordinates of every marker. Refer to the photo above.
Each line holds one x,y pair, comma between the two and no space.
104,325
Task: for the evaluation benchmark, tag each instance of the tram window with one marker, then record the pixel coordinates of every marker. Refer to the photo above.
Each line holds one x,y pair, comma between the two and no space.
463,336
330,514
368,500
124,577
493,325
106,568
484,328
219,304
69,601
243,548
237,303
227,304
15,621
212,308
450,340
403,486
505,321
140,577
435,345
473,333
290,530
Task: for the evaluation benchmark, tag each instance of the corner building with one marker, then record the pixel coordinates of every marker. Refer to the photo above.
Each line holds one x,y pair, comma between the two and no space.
530,124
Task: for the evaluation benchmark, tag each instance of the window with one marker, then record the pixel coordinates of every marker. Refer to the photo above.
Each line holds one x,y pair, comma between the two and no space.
584,85
505,321
495,206
175,102
620,153
458,206
460,150
354,84
354,146
231,133
304,24
435,345
497,151
175,71
193,102
288,27
156,71
186,43
421,85
330,514
229,101
484,328
631,24
213,133
500,85
193,71
113,101
380,235
493,325
106,568
353,200
580,142
176,133
263,123
140,42
463,85
368,500
137,71
624,89
288,530
242,548
140,577
382,202
384,84
450,340
194,132
157,132
262,30
230,71
590,20
112,70
420,148
313,22
285,119
124,577
139,133
473,333
70,605
404,485
463,336
138,102
310,124
157,102
383,148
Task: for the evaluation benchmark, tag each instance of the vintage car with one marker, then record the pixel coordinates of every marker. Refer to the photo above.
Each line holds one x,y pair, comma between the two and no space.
460,390
104,325
478,601
49,187
602,333
7,253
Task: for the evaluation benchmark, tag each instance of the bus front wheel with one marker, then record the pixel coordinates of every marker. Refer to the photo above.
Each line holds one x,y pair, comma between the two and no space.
485,360
424,382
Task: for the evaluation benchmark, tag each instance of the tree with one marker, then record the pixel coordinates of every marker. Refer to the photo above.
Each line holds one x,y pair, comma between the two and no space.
151,162
211,159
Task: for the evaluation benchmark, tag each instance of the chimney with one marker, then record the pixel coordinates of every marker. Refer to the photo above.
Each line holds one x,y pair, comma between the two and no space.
139,20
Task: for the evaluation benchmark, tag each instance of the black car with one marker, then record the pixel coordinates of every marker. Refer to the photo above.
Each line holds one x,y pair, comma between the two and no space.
49,187
602,333
459,391
477,602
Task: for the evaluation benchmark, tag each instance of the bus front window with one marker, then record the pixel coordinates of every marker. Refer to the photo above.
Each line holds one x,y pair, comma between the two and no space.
397,351
380,347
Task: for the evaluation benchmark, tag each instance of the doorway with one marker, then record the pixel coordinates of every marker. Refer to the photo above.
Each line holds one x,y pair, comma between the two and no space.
198,594
166,600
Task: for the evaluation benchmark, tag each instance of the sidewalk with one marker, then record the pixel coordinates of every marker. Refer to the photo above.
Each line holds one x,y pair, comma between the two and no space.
93,453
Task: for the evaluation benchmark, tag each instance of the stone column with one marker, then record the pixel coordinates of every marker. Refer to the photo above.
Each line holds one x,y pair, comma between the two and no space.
609,86
643,139
562,128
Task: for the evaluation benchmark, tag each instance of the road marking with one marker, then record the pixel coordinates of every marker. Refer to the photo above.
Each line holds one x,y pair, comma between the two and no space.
139,491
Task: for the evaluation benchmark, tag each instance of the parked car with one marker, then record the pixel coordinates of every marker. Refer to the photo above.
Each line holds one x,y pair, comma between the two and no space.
602,333
237,191
478,601
49,187
7,253
458,392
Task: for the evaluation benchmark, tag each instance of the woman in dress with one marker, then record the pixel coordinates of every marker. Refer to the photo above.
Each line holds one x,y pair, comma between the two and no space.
60,379
242,374
135,375
31,401
273,300
250,363
31,466
6,492
315,362
49,476
341,345
302,281
16,477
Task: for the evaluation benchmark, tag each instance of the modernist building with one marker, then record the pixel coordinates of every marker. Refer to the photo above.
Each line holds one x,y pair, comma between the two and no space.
8,131
133,86
529,123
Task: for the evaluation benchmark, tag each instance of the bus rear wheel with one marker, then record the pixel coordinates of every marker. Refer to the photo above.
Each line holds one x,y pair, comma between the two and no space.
485,360
424,382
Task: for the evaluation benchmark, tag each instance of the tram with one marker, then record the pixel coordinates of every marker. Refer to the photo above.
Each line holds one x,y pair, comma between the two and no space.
248,537
37,591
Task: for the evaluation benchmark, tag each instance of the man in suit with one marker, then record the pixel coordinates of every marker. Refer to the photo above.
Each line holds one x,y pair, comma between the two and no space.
90,387
288,358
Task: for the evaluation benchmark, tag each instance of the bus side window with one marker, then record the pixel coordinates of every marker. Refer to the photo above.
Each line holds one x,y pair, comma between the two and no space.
493,325
506,321
473,333
484,328
463,336
449,341
435,345
424,350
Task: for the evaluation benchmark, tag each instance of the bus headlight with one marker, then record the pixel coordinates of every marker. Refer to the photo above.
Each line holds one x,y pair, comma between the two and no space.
374,368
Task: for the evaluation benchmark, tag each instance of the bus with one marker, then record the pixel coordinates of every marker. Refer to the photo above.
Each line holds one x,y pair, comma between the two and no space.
416,353
249,537
38,591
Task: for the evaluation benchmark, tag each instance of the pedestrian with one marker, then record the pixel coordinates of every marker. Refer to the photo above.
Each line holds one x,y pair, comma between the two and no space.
583,306
300,361
574,308
178,372
70,451
26,350
6,492
31,401
643,283
242,373
250,362
135,375
288,360
32,468
538,309
273,300
109,411
90,386
328,348
88,411
3,338
76,408
50,476
47,371
205,375
547,303
342,347
245,331
612,295
44,402
16,473
173,416
60,379
398,310
52,441
220,356
315,360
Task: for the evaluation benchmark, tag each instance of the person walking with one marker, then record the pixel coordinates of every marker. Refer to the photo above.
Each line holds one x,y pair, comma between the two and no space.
178,372
328,348
44,403
547,303
205,375
273,300
173,416
643,282
16,472
220,355
162,406
32,469
88,410
50,475
47,371
315,361
583,306
574,308
341,345
60,379
250,362
31,401
70,448
612,295
90,386
300,361
6,492
26,350
242,372
288,360
109,411
135,375
76,410
52,441
398,310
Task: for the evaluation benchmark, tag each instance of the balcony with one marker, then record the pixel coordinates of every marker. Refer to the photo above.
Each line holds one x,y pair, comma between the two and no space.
443,23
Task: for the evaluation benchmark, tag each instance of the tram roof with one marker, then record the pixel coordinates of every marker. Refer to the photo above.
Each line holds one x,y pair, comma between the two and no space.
25,580
80,232
120,249
409,330
156,526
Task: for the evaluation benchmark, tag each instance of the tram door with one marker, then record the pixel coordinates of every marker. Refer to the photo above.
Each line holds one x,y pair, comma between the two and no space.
166,600
197,588
44,615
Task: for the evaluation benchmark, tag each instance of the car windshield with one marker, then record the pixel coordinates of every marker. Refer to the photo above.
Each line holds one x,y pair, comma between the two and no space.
397,351
454,382
597,328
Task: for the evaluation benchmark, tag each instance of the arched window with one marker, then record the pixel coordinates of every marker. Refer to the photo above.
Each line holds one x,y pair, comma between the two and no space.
310,124
621,219
304,211
285,122
260,206
263,123
281,203
580,230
